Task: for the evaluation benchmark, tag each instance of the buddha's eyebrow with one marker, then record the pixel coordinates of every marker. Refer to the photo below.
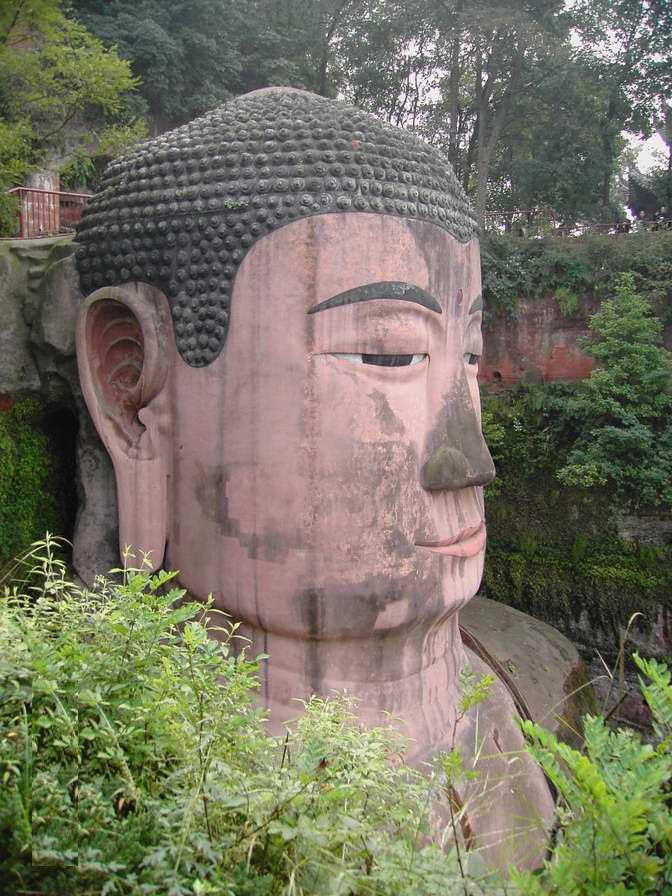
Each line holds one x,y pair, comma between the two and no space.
396,290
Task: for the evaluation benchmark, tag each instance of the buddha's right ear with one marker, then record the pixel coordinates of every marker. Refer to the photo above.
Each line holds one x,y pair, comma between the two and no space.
125,347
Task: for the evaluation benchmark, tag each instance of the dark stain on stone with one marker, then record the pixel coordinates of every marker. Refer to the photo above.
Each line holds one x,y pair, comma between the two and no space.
210,488
311,601
388,420
457,456
323,608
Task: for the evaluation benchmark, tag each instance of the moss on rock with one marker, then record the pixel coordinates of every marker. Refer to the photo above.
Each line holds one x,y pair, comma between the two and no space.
36,475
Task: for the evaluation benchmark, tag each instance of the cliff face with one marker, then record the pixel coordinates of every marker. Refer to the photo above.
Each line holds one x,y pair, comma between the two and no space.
538,345
39,301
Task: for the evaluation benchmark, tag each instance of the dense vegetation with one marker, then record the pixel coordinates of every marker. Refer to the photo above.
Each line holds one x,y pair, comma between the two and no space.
579,272
133,761
573,458
36,477
554,550
528,100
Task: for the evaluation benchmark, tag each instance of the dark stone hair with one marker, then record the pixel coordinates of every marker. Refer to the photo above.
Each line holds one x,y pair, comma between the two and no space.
182,210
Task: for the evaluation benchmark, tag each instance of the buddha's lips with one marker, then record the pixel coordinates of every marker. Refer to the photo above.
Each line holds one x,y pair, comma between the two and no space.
466,543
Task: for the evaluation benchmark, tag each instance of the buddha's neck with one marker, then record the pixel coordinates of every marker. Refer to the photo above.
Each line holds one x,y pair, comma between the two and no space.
411,674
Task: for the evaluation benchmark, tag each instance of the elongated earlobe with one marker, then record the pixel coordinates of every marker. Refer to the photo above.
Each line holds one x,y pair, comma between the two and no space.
124,348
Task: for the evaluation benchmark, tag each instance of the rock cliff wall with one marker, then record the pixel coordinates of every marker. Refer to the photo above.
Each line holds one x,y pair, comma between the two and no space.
39,299
539,345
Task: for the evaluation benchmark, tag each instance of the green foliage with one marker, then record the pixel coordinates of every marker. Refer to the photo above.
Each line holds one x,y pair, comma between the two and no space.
553,549
615,818
133,761
35,480
15,151
59,86
188,57
624,413
567,299
589,267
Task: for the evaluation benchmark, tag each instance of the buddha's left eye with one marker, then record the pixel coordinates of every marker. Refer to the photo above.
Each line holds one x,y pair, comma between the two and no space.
471,358
381,360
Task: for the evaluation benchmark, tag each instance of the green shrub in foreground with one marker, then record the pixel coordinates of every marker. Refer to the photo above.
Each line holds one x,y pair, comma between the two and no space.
132,761
615,823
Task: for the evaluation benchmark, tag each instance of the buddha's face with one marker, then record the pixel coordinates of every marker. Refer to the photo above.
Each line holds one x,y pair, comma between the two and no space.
326,470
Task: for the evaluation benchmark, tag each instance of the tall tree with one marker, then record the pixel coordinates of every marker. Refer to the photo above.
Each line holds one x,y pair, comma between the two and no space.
59,86
453,70
628,48
185,54
553,154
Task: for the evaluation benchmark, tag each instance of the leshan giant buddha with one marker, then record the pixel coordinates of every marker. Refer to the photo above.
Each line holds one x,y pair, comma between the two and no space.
279,350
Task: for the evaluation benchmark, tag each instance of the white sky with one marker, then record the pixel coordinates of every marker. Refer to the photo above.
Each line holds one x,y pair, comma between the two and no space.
649,152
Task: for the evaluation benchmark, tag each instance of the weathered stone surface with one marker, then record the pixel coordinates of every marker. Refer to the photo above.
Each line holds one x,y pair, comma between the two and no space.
18,373
539,345
96,539
55,325
39,302
650,530
543,664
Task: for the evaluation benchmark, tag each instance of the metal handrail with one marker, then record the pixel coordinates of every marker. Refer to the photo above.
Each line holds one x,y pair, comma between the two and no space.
47,212
53,192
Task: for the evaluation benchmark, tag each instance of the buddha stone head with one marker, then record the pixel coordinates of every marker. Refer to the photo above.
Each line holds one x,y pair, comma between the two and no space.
279,350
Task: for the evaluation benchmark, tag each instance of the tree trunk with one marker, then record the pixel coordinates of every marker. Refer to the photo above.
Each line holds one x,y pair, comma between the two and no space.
326,49
455,89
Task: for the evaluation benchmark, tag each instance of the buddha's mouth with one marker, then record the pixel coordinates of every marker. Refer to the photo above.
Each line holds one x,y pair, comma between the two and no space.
466,543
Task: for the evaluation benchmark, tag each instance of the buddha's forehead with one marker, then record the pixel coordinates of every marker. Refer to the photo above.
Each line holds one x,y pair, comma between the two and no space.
182,211
339,261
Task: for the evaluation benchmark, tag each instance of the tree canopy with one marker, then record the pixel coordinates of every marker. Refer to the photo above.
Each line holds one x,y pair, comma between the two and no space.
528,99
61,88
624,413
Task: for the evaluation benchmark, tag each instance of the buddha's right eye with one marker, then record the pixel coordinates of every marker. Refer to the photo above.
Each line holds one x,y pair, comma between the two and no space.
380,360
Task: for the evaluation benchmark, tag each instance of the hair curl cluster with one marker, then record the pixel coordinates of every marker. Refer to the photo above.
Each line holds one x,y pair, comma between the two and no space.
182,210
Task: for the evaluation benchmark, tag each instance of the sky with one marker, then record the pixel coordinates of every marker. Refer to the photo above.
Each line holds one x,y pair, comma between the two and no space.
649,152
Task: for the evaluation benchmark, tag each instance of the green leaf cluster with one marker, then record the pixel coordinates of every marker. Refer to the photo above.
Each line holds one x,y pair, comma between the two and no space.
61,89
624,412
133,761
615,820
35,479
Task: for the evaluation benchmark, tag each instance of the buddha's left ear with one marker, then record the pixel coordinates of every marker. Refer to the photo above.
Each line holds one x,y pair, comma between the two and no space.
125,346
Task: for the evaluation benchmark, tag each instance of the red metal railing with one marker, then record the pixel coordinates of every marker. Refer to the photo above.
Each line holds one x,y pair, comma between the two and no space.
45,212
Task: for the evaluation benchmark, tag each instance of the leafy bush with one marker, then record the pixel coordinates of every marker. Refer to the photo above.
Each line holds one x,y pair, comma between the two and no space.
615,818
36,480
624,412
133,761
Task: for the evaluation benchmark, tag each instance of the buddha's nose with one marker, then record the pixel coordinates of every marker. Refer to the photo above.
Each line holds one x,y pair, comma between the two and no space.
456,455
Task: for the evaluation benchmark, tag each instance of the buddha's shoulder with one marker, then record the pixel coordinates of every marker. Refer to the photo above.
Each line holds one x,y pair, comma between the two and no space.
506,804
536,664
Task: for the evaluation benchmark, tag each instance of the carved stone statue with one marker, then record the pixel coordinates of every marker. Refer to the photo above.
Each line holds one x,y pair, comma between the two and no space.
279,350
